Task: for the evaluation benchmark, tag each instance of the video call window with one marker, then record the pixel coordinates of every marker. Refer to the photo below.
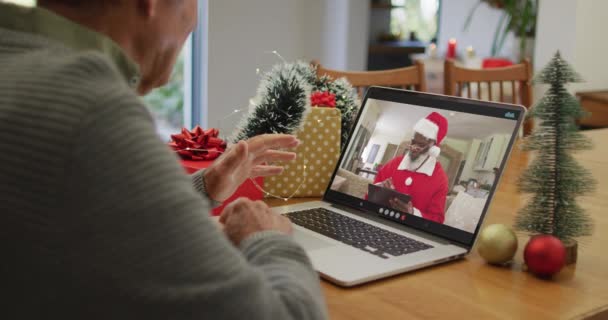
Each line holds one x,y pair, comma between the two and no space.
436,164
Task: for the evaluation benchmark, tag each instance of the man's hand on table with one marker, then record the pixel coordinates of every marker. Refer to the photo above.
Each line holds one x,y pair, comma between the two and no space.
244,217
247,159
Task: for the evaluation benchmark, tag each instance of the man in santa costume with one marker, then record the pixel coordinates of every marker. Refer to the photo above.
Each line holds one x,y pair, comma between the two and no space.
418,173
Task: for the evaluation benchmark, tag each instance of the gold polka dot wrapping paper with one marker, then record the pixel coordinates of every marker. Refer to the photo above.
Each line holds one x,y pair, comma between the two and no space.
319,151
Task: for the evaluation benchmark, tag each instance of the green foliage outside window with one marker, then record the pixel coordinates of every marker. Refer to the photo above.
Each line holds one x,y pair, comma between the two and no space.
167,102
27,3
418,16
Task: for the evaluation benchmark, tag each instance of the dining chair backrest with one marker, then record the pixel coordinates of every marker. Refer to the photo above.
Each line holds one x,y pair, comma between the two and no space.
411,78
510,84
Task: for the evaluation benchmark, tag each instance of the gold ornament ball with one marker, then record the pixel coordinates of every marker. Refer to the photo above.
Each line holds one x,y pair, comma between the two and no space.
497,244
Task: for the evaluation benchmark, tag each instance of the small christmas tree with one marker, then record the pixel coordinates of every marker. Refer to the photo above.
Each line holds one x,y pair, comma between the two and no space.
554,177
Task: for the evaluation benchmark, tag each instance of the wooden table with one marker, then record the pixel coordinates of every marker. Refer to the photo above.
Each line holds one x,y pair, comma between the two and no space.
471,289
595,102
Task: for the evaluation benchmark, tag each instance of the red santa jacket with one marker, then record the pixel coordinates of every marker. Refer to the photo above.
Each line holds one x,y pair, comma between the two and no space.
428,193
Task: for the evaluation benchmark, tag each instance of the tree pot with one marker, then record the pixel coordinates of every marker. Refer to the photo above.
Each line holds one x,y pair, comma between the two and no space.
571,251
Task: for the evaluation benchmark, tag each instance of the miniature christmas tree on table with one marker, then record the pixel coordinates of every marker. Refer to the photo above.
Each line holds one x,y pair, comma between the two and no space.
554,177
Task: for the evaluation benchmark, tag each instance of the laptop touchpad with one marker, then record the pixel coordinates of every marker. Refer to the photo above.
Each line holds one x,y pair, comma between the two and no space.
310,242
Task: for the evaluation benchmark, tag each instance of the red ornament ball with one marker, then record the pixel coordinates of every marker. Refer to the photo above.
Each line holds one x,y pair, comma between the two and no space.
545,255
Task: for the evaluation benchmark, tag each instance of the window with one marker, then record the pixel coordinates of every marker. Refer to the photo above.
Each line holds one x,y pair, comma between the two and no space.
415,17
182,102
28,3
373,153
167,103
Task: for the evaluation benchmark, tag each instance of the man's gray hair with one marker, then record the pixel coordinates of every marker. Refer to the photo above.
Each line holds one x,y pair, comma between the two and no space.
74,3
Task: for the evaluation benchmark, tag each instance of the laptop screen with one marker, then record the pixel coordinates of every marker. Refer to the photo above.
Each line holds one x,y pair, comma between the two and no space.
427,161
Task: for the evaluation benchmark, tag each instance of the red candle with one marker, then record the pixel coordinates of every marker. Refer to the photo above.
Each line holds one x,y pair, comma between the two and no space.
451,53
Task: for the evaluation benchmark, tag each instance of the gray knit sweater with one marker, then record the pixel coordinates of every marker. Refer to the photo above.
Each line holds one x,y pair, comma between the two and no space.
97,218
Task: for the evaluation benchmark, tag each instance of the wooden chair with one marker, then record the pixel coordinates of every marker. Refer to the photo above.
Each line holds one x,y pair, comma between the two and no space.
459,81
412,78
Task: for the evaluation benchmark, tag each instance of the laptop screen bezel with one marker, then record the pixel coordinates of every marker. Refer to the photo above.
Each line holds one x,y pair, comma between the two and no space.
484,108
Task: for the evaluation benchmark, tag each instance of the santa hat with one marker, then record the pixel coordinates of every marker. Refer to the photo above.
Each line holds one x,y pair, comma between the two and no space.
435,127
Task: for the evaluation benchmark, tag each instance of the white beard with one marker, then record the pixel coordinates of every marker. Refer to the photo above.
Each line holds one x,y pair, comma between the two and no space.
424,164
415,164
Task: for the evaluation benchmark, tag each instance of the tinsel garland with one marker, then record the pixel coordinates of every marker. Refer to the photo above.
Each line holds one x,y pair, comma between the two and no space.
554,178
283,100
282,103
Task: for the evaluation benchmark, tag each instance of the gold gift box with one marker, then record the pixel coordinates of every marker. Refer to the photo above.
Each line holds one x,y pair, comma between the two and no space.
318,153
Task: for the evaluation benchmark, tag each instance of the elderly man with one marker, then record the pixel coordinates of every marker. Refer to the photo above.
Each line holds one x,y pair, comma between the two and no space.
97,219
418,173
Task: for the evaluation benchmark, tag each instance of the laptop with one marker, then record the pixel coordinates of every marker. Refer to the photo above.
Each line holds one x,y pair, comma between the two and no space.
352,240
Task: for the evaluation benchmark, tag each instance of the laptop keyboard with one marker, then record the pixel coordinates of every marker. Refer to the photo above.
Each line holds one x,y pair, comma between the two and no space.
356,233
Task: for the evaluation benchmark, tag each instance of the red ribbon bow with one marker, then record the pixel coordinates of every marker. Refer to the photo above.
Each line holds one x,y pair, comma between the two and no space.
198,144
323,99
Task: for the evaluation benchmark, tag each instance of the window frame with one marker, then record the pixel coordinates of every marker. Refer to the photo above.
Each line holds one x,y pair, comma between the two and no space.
196,79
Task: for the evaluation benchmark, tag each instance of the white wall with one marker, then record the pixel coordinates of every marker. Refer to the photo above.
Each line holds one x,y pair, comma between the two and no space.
485,177
555,30
480,33
368,120
345,29
382,140
467,171
591,60
335,28
458,144
358,25
241,33
577,29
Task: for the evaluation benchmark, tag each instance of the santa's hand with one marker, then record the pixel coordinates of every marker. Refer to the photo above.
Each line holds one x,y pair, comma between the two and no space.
401,206
388,183
247,159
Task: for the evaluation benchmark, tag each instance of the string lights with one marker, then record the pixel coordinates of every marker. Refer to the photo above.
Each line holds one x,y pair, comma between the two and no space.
257,186
268,194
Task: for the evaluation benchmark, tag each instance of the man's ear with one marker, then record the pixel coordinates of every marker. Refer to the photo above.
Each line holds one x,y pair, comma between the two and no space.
147,8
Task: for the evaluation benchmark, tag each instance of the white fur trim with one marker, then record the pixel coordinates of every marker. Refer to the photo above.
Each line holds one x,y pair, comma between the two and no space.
427,168
427,128
434,151
417,213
